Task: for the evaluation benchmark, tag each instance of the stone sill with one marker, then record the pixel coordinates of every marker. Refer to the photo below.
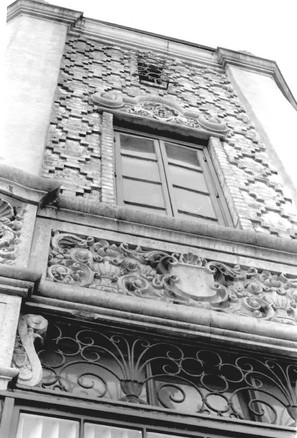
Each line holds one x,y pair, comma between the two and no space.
184,226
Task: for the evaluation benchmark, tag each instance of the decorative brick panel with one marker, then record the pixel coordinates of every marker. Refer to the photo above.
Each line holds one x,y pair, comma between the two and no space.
254,191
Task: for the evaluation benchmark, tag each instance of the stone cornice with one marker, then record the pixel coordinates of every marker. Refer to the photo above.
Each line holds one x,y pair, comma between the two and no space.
235,329
253,63
138,39
26,187
120,35
44,11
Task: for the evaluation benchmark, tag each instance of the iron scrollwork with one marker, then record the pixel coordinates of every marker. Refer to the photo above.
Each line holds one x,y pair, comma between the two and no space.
177,278
93,363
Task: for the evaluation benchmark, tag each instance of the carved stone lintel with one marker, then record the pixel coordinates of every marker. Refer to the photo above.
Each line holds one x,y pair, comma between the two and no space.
25,357
159,108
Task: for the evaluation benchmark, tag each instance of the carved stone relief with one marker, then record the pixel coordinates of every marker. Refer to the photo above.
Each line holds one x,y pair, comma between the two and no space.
159,108
10,225
172,277
25,357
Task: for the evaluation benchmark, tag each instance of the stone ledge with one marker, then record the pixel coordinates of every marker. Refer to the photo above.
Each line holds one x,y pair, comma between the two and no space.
256,64
132,311
18,281
26,187
188,226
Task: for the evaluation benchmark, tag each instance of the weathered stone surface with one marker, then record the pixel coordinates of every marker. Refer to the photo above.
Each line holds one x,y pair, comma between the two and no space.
9,314
11,222
186,279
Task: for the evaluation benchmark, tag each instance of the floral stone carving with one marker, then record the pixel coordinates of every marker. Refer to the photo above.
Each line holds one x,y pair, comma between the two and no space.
10,226
159,108
172,277
25,357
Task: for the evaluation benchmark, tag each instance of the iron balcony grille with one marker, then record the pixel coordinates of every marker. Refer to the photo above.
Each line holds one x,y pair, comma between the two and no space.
90,362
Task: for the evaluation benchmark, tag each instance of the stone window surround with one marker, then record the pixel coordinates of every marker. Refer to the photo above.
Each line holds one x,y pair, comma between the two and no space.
226,178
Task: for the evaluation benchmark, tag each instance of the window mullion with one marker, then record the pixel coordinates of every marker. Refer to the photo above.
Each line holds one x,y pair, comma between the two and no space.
9,418
167,178
163,172
81,428
209,178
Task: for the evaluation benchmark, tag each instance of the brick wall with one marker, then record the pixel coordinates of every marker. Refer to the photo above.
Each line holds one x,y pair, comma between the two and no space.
73,151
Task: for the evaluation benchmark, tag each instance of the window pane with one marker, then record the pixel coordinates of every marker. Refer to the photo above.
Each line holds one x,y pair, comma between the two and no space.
144,193
39,426
194,203
101,431
182,155
187,178
143,169
148,209
139,146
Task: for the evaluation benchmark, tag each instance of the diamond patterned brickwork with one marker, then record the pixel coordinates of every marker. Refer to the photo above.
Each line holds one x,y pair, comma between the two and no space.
73,153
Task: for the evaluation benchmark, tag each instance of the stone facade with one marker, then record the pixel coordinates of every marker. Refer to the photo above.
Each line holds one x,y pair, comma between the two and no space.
117,319
73,152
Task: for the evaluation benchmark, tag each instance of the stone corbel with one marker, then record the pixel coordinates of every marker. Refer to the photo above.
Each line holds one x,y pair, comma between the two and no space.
159,109
25,358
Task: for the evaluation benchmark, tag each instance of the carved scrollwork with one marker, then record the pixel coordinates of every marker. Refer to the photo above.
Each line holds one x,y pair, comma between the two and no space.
25,357
186,279
159,108
10,226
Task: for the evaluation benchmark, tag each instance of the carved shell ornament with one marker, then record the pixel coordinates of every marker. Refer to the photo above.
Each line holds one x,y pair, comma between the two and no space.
186,279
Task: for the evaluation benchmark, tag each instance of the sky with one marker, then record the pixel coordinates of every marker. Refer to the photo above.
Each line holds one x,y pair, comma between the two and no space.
266,28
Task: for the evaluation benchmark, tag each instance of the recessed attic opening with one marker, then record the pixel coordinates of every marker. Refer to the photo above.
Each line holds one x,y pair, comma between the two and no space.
151,72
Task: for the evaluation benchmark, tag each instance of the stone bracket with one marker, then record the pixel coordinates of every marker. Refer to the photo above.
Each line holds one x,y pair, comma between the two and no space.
25,358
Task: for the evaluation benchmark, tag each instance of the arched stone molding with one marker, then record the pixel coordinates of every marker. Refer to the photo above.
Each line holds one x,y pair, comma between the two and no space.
161,109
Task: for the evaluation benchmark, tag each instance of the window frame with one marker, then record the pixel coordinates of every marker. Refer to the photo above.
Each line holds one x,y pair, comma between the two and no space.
215,191
128,416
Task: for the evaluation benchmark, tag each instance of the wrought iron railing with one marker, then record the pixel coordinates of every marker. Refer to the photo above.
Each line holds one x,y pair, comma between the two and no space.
91,362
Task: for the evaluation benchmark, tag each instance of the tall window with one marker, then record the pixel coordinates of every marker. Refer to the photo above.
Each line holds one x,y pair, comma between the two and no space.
167,177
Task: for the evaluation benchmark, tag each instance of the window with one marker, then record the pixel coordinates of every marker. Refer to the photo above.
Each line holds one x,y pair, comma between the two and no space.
151,72
41,426
167,177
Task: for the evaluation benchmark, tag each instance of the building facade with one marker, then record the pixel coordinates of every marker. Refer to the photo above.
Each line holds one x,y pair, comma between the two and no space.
148,236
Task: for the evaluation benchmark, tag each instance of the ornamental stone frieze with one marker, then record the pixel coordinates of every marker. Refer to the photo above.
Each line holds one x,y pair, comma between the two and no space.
160,109
25,358
180,279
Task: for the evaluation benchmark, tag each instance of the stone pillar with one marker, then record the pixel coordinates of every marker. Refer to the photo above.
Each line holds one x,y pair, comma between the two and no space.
36,39
14,286
270,105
